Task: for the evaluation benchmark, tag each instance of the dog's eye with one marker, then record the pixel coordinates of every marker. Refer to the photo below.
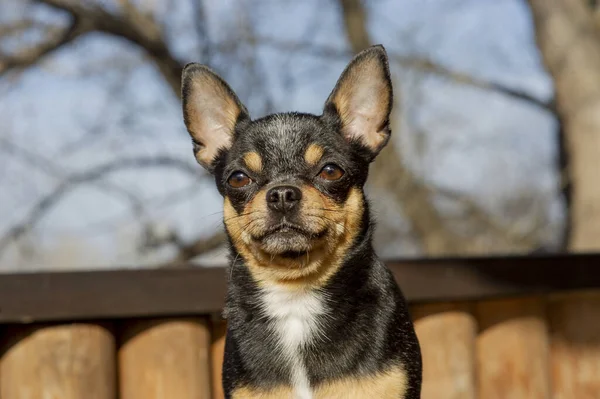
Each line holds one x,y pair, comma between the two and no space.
238,180
331,172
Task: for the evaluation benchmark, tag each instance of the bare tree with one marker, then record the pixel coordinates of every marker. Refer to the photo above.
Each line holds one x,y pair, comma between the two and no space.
568,36
392,176
143,29
140,29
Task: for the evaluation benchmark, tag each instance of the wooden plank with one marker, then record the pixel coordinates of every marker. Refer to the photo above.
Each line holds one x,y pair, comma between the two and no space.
219,328
447,335
466,279
34,297
513,349
68,362
575,346
30,297
168,358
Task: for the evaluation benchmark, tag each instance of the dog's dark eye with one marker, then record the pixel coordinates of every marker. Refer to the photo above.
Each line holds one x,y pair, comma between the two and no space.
331,172
238,180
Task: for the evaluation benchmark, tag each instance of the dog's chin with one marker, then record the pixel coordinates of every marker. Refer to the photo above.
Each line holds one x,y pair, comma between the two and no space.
289,243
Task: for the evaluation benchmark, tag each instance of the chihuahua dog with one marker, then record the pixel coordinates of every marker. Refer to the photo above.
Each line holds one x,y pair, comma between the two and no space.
311,311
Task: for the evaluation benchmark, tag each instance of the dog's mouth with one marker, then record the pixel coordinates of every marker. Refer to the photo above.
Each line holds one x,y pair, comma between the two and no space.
288,240
290,228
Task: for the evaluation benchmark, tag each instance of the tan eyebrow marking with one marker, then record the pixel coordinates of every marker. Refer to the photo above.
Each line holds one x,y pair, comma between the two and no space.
253,161
313,154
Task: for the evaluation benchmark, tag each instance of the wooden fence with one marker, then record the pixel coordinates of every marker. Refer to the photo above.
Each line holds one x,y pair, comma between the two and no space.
518,327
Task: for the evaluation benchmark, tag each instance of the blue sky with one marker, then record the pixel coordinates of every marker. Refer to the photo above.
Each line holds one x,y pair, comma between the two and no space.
99,100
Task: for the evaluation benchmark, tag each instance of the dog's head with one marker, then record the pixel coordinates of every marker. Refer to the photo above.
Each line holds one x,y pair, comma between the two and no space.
292,183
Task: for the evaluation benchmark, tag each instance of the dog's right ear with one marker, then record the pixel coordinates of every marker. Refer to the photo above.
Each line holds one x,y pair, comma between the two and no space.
211,111
362,100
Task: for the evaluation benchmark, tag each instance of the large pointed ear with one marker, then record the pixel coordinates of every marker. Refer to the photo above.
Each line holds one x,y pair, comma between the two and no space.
362,100
211,111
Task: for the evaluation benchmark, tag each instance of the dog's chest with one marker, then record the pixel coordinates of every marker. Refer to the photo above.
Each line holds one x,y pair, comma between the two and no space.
295,319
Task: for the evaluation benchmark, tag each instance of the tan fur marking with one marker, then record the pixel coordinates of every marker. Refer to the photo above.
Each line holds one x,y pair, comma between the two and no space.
313,154
319,213
249,393
253,161
390,384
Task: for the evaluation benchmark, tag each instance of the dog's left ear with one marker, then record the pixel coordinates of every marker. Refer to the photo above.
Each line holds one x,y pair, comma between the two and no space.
362,99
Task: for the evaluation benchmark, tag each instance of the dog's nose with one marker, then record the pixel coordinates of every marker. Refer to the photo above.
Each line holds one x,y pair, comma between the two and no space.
283,198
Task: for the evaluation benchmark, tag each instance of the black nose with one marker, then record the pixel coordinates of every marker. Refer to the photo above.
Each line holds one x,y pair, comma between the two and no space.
283,198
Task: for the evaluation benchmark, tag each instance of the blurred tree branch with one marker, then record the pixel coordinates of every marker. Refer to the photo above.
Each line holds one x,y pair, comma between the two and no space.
205,49
43,164
131,24
410,62
55,39
47,202
145,32
139,29
568,38
392,176
355,24
13,28
188,251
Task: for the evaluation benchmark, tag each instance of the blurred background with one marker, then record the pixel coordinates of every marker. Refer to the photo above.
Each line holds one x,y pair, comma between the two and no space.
494,118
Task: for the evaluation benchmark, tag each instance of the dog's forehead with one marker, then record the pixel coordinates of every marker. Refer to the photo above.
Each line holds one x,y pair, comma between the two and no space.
282,135
281,140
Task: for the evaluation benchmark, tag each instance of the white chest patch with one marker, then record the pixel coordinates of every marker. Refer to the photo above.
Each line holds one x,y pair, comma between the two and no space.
295,316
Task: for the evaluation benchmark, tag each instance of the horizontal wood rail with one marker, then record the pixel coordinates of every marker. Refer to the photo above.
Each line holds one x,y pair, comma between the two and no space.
127,293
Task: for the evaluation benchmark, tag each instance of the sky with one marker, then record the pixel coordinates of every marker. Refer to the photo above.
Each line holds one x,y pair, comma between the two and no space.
100,100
